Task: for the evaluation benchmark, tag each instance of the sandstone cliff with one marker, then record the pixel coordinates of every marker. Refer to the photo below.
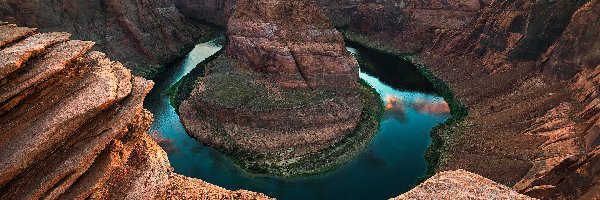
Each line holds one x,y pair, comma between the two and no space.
72,126
218,11
283,93
142,34
460,184
409,26
528,71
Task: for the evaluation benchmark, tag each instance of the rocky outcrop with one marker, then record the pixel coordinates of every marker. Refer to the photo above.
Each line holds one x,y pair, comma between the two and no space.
460,184
218,11
142,34
284,90
73,126
528,72
295,48
410,26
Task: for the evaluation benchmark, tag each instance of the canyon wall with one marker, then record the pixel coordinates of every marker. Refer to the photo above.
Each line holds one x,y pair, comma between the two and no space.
528,71
73,126
218,11
212,11
283,92
409,26
143,34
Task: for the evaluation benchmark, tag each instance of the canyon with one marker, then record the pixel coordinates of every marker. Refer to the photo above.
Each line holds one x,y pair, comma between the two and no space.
527,70
144,35
73,126
284,90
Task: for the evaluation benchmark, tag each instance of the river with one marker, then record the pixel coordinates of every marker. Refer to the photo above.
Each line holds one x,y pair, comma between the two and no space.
388,167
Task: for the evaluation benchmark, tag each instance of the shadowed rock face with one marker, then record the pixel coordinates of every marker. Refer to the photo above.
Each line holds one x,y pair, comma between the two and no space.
410,25
212,11
285,87
528,70
218,11
72,126
142,34
291,41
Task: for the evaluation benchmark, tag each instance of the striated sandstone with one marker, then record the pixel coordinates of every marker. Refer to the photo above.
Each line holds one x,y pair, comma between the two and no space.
527,70
410,26
296,49
141,34
460,184
284,90
73,126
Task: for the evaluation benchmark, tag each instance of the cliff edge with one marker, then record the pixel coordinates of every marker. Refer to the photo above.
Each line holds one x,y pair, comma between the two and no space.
72,126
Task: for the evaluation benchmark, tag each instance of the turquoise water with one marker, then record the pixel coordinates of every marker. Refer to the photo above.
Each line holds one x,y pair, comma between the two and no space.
387,168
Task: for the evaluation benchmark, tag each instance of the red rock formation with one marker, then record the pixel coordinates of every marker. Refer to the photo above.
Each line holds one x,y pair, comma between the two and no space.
285,88
460,184
410,26
527,70
280,39
142,34
73,126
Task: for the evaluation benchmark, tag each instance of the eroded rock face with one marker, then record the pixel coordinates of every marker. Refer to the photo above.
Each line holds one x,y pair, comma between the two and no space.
528,71
212,11
460,184
291,41
73,126
410,25
284,89
218,11
142,34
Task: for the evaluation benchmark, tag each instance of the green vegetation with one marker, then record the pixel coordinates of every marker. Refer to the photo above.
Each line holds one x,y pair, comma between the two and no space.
181,90
457,109
330,158
234,88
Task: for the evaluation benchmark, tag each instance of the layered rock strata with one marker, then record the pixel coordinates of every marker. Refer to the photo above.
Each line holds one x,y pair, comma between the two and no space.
72,126
460,184
218,11
285,88
528,71
296,49
409,26
142,34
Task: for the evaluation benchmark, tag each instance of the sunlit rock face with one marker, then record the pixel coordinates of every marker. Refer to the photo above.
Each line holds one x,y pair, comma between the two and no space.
293,42
73,126
460,184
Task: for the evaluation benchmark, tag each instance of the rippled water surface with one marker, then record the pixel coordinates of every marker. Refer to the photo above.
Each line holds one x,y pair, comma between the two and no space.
387,168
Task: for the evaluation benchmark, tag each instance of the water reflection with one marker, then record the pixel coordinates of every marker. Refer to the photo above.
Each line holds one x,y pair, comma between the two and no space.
431,106
394,108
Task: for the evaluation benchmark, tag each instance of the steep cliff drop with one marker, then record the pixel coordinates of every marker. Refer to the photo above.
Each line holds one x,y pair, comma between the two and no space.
144,35
528,70
409,26
284,90
72,126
